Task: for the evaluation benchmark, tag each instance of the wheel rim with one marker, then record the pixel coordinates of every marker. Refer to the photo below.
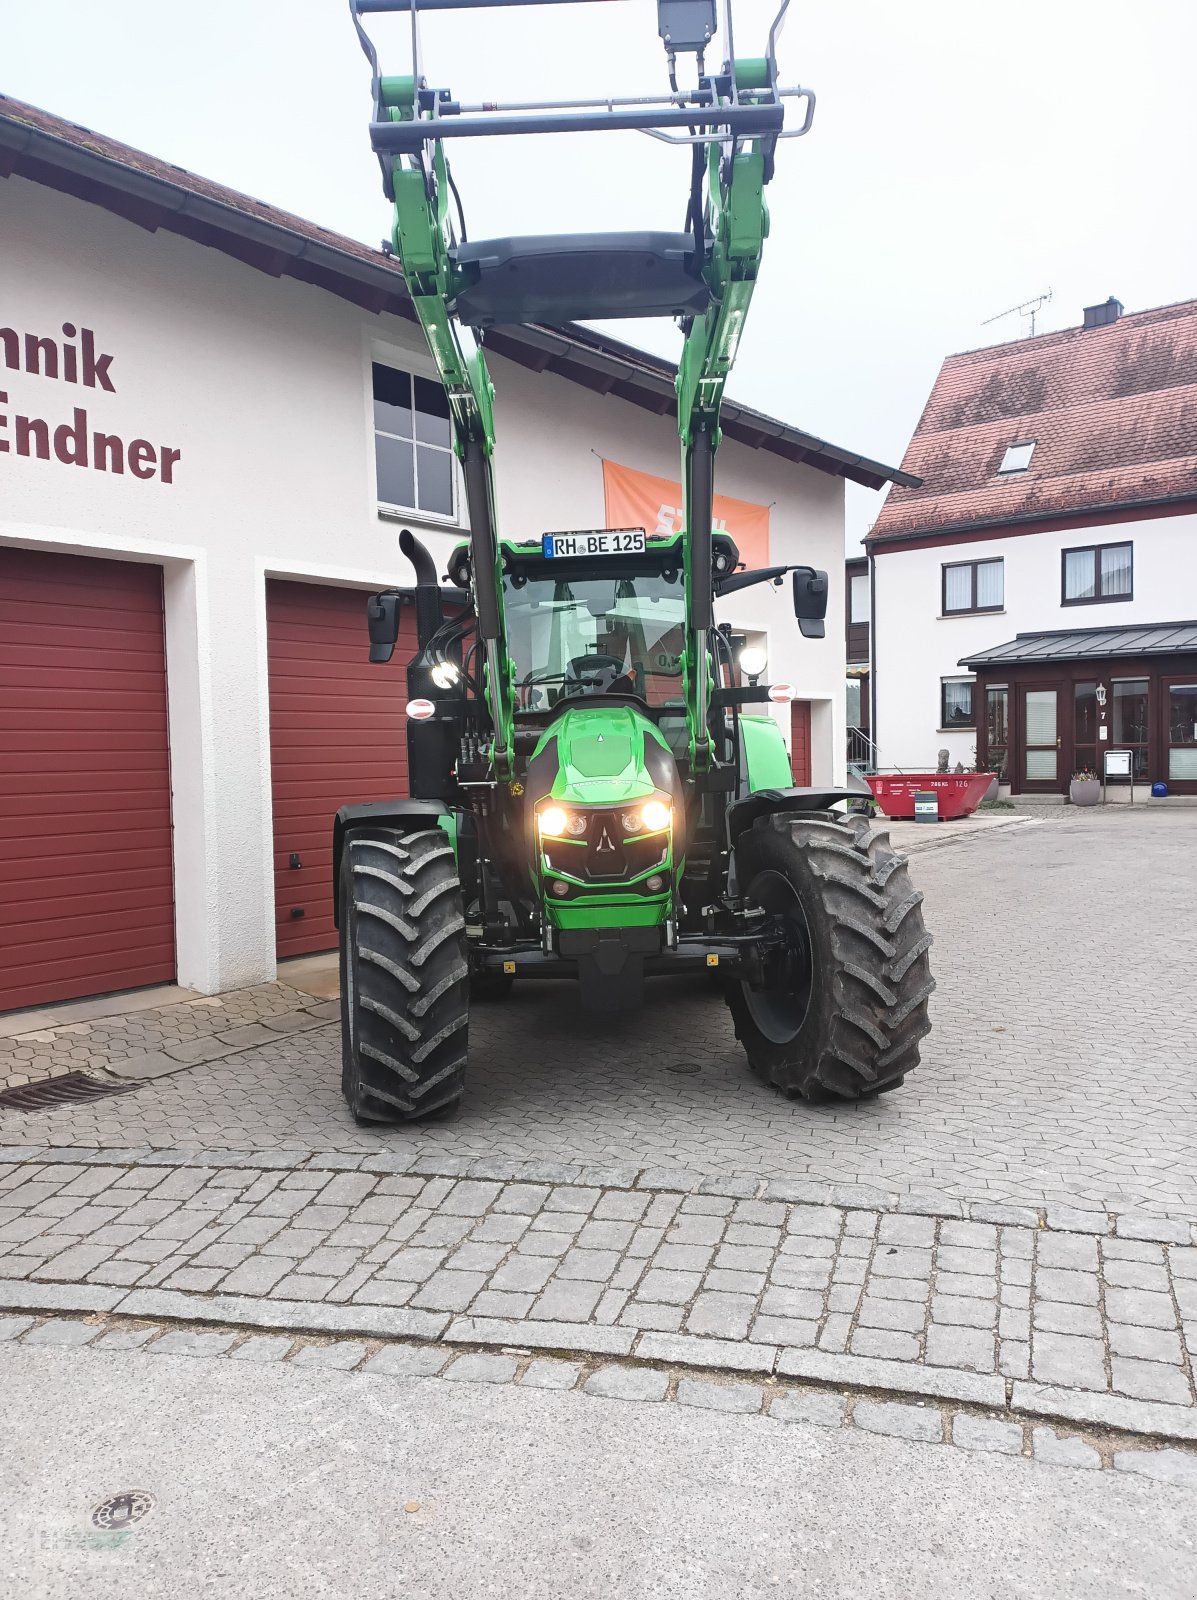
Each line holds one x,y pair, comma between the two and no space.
779,1006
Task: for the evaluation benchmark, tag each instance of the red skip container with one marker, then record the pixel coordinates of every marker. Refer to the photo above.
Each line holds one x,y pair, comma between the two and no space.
960,793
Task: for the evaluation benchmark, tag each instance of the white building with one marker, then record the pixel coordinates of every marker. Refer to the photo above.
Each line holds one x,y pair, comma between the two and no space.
191,517
1033,599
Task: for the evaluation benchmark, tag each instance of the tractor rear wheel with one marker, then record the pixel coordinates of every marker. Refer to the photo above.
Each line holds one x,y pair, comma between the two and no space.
404,975
843,1003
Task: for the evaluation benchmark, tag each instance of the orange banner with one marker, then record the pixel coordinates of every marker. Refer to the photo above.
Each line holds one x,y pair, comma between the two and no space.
640,500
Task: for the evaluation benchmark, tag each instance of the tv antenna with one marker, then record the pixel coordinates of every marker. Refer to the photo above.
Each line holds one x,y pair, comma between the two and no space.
1028,308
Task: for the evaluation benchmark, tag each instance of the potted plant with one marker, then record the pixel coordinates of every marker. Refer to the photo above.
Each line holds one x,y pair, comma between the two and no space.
1085,788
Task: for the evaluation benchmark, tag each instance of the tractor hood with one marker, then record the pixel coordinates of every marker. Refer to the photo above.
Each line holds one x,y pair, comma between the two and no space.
597,755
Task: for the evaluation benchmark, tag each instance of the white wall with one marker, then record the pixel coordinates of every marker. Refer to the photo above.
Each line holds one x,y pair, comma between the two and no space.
263,385
916,646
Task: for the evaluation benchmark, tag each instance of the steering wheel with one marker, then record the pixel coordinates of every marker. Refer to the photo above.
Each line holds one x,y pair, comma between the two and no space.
590,674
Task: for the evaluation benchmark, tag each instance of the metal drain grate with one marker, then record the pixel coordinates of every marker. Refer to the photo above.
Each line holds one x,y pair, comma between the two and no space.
67,1090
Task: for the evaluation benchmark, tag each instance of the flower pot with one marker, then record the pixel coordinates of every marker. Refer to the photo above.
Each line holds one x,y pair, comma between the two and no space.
992,792
1084,791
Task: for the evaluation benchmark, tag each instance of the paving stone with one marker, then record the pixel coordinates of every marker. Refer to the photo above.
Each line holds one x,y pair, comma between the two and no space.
348,1189
606,1235
968,1235
860,1224
414,1263
119,1339
907,1230
786,1302
567,1198
594,1266
262,1347
969,1348
904,1316
62,1332
834,1333
986,1433
523,1274
624,1207
258,1275
784,1274
570,1300
964,1312
741,1398
882,1342
1057,1316
14,1327
1064,1359
301,1286
546,1372
896,1261
696,1231
550,1245
1131,1250
470,1198
1165,1466
497,1229
182,1342
1015,1325
899,1289
408,1361
1140,1308
902,1421
199,1279
1144,1344
610,1305
380,1210
627,1383
496,1303
784,1330
683,1257
74,1263
1063,1452
1150,1380
483,1369
442,1231
821,1221
819,1410
658,1318
1077,1288
449,1291
1067,1250
1014,1358
1182,1262
724,1316
807,1248
668,1288
340,1357
1167,1230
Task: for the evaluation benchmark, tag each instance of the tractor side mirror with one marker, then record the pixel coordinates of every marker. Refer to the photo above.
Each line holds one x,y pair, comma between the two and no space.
810,601
382,614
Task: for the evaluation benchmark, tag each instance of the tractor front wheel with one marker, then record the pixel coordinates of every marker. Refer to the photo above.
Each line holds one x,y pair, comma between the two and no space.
843,1001
404,975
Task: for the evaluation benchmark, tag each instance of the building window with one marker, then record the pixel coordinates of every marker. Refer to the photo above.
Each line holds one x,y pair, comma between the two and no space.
973,586
413,443
1098,572
1182,732
1017,457
859,609
956,702
997,728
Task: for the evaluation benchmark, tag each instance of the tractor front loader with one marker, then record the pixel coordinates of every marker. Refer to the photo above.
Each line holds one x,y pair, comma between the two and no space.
594,794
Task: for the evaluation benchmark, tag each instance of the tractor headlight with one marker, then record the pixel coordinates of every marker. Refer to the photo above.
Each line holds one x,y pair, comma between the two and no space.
656,815
553,822
576,824
445,674
632,822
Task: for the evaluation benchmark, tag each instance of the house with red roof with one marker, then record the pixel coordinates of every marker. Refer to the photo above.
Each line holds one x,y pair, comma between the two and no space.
1034,596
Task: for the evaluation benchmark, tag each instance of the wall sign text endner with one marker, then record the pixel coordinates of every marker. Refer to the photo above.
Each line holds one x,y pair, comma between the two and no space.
74,443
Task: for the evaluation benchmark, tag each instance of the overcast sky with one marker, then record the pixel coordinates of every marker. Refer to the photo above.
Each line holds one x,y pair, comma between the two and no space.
965,157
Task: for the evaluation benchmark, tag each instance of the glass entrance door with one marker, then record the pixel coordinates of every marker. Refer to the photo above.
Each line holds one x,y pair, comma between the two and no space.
1041,739
1180,730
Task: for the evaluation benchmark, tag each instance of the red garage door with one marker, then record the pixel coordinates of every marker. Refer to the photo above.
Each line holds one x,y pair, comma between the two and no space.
337,734
800,742
86,898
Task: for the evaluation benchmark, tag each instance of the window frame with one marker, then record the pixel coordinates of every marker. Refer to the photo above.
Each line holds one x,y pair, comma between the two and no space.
1030,445
1097,598
957,682
391,509
972,609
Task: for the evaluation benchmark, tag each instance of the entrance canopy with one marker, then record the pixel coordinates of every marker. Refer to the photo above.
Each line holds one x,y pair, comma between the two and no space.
1085,644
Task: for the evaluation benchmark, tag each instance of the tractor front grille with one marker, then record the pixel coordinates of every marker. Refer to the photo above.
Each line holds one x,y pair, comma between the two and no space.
603,855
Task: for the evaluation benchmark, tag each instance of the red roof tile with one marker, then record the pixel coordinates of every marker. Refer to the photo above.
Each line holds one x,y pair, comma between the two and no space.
1112,411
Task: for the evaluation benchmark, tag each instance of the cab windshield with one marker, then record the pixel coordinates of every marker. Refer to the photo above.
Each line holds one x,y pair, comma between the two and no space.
577,636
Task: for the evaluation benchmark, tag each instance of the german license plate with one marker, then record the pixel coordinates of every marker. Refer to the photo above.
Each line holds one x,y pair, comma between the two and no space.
607,542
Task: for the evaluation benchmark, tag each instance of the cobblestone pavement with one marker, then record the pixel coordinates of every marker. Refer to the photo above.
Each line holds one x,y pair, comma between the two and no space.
1060,1066
1076,1316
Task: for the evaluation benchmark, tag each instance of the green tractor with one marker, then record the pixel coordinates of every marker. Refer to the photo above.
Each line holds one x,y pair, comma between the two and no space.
595,794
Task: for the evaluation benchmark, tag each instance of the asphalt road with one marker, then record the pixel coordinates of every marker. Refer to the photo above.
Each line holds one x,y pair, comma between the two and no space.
275,1481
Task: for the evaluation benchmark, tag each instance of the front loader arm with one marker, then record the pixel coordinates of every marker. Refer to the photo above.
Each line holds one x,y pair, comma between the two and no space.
737,224
421,242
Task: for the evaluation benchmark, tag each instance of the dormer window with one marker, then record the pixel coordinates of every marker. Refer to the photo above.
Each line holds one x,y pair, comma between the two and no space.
1017,457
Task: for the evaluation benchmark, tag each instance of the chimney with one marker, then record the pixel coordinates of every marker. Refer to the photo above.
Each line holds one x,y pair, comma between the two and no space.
1101,316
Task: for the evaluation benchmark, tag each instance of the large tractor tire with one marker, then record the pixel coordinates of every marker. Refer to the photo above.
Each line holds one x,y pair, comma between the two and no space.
841,1011
404,975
